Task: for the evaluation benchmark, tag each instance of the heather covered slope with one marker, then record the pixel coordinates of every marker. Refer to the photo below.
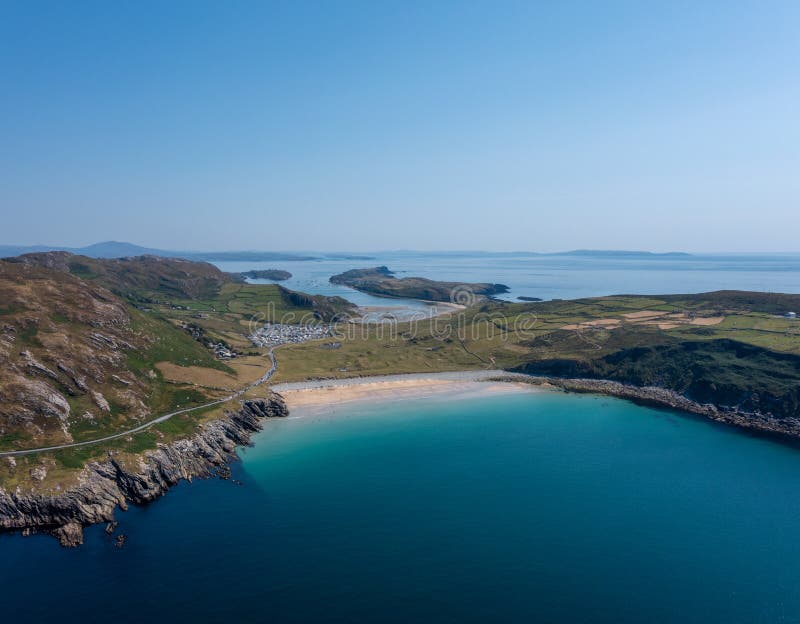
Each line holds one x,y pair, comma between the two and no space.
75,358
149,281
139,276
724,372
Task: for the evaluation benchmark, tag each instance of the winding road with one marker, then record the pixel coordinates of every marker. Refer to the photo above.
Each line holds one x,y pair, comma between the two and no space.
154,421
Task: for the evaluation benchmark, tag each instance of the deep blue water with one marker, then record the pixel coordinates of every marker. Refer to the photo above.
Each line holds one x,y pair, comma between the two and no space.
557,277
524,507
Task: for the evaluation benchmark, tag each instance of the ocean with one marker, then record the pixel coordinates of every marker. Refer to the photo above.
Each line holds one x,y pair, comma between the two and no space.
532,506
553,276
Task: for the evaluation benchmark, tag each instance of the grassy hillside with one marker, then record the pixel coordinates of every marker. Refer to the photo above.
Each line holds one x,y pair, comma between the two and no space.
90,347
139,277
77,362
184,292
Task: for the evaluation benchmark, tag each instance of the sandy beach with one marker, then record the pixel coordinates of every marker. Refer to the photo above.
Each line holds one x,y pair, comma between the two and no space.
316,396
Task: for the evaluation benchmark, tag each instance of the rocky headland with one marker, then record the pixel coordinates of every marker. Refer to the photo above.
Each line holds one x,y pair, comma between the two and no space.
116,482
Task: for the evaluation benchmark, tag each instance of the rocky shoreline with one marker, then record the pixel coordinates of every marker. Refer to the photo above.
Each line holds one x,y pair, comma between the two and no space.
764,423
106,485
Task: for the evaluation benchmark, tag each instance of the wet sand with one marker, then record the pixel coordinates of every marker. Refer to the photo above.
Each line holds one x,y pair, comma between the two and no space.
405,314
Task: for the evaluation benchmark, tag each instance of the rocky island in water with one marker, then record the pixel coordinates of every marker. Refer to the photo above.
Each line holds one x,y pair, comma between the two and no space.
381,281
276,275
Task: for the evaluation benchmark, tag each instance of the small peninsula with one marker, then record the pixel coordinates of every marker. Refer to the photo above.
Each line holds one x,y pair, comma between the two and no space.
382,282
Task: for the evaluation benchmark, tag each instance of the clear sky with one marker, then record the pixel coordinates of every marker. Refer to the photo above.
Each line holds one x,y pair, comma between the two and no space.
388,125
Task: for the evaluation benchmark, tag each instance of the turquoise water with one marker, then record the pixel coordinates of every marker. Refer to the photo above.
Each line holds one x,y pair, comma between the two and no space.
518,507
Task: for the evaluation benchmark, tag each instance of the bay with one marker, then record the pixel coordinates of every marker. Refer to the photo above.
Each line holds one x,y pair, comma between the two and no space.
525,506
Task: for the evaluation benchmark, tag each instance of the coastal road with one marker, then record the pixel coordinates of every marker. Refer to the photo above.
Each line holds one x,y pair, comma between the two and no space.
154,421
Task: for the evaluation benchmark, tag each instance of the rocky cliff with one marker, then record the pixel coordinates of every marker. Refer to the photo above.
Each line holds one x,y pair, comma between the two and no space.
106,485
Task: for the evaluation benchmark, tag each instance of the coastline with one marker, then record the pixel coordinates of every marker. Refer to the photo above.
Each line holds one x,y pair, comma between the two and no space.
115,482
321,394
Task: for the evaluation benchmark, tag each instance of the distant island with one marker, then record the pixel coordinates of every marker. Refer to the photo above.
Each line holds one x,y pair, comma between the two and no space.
590,253
381,281
276,275
117,249
526,298
612,253
357,258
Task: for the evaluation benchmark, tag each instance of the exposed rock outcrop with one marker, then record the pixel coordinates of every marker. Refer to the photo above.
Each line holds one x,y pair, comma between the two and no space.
106,485
100,401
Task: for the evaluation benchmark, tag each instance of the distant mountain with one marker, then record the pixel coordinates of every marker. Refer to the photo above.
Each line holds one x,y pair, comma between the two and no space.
115,249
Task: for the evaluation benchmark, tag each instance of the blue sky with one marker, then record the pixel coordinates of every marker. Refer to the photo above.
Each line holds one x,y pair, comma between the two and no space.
380,125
